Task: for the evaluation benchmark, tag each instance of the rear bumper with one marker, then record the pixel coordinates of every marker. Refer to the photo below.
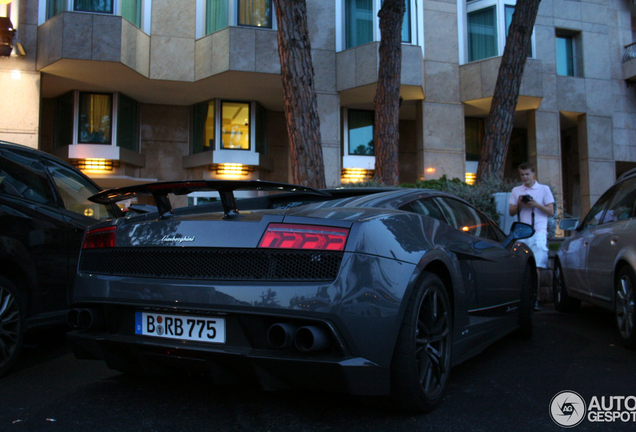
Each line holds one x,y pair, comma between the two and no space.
271,369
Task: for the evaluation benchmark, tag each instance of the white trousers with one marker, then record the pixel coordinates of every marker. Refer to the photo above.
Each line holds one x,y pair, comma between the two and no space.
539,245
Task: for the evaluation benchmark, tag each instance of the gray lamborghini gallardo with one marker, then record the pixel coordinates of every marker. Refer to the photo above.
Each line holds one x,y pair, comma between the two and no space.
369,291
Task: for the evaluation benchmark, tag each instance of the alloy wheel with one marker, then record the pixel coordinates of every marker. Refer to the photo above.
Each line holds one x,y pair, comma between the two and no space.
432,342
9,326
625,306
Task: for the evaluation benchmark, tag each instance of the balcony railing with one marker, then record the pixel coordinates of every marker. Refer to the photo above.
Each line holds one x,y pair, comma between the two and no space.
630,52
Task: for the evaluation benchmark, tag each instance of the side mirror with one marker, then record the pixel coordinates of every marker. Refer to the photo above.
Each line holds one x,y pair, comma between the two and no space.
518,231
568,224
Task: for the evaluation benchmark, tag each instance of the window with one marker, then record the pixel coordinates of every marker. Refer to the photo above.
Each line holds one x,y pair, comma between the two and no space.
622,205
87,118
23,176
425,208
255,13
64,115
565,55
595,214
360,132
102,6
474,135
235,125
127,121
466,218
95,114
486,27
132,10
54,7
204,130
217,15
75,191
361,25
482,34
359,22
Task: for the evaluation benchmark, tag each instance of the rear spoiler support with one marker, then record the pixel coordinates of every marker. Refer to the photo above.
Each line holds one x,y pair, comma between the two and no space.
159,191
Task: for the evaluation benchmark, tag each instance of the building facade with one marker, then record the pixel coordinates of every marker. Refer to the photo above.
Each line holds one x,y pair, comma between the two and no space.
133,91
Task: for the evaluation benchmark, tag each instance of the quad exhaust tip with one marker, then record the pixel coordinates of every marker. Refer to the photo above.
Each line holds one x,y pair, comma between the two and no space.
306,339
85,319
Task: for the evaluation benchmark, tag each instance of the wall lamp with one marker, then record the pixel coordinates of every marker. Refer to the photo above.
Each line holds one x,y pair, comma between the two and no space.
232,169
356,175
94,164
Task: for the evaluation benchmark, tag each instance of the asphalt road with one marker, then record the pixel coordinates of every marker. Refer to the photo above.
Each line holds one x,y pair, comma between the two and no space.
509,387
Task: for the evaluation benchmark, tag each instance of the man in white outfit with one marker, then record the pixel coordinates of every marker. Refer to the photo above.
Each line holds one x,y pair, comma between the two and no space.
534,203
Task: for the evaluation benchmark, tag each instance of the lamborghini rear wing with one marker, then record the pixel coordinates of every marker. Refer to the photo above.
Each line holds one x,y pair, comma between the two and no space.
160,190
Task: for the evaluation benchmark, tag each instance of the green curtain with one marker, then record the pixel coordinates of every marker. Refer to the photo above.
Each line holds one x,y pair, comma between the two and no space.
358,22
482,34
131,10
54,7
216,17
104,6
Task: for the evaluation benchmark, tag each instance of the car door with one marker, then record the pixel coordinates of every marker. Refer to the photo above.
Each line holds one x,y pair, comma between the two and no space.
612,234
575,257
73,191
31,221
496,269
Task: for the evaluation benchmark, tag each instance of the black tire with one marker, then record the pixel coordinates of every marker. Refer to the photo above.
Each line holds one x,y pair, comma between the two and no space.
624,306
526,306
562,301
12,311
422,358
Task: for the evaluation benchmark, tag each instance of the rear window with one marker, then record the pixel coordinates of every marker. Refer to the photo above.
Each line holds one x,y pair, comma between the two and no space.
23,176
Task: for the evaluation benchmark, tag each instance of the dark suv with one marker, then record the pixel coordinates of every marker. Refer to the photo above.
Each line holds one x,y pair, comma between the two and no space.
43,213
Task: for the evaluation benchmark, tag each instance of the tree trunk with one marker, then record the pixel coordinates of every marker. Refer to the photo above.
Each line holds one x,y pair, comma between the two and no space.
500,120
301,106
386,132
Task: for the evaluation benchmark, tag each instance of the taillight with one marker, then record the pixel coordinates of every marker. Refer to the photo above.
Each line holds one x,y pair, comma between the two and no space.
311,237
100,238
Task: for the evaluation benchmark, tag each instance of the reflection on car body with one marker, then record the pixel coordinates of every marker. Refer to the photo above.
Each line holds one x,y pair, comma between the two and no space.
596,264
44,209
375,292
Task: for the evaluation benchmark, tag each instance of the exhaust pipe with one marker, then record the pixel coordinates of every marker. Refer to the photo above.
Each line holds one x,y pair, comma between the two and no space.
281,335
85,319
71,318
310,339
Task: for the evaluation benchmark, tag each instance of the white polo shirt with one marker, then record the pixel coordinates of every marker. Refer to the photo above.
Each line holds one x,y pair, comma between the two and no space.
541,194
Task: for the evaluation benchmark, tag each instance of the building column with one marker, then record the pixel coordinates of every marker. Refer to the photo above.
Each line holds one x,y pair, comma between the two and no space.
596,158
441,140
20,118
544,150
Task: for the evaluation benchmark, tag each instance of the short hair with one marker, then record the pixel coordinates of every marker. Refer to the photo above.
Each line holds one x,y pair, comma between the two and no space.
527,166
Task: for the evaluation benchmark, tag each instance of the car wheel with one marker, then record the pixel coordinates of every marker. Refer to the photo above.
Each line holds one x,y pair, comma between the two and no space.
526,306
562,301
624,306
421,361
11,325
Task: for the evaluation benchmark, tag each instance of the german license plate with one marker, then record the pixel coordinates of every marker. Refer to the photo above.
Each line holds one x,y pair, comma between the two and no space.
182,327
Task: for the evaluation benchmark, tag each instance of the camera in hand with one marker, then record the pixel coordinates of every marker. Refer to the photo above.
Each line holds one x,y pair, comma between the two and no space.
526,198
